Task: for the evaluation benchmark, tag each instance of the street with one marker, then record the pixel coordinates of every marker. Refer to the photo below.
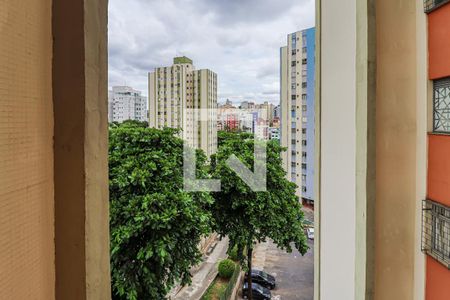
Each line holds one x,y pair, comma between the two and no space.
294,274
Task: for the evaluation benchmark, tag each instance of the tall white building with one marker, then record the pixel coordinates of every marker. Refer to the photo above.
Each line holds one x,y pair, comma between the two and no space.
297,110
126,103
177,96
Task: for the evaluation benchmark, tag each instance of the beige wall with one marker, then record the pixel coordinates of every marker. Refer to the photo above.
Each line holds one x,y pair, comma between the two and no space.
81,149
396,208
26,151
423,96
400,149
285,114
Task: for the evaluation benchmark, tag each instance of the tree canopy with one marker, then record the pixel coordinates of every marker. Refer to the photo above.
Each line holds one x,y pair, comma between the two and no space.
155,225
247,217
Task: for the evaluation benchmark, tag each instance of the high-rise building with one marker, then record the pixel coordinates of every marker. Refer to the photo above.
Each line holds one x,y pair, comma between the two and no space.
297,110
247,105
274,133
266,109
177,94
277,111
126,103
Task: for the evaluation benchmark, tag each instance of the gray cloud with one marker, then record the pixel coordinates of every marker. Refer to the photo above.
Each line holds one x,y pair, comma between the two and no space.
237,39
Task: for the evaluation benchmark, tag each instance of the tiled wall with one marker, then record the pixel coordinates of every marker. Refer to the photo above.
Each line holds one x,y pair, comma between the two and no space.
26,151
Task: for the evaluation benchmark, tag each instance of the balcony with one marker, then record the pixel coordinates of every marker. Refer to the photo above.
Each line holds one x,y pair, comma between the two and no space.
436,231
430,5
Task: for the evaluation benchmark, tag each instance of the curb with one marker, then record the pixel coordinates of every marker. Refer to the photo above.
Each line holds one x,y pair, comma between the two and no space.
237,286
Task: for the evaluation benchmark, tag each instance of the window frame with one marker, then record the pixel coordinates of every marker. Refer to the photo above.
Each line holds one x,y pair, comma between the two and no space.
443,83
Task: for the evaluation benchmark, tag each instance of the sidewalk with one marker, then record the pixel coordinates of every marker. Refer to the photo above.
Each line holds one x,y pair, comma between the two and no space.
204,274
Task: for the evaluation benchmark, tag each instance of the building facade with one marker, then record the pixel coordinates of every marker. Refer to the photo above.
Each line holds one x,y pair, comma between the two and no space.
382,203
274,133
179,97
297,110
126,103
276,111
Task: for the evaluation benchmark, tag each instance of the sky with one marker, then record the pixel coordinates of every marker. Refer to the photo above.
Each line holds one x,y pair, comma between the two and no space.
239,40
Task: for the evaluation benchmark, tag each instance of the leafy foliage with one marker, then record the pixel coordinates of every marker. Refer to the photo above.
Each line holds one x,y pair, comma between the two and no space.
233,253
226,268
155,225
246,216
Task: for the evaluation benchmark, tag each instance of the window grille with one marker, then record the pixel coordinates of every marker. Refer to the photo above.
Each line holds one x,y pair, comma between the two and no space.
441,105
431,5
436,231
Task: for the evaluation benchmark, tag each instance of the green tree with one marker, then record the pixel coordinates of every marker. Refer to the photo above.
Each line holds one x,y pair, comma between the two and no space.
248,217
155,225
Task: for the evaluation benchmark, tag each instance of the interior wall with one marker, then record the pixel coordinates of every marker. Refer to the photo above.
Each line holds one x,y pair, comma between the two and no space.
396,150
26,151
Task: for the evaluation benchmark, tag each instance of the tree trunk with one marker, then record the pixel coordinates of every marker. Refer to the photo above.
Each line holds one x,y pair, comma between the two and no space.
249,260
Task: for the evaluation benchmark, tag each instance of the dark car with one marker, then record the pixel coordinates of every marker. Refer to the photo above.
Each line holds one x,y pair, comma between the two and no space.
259,292
262,278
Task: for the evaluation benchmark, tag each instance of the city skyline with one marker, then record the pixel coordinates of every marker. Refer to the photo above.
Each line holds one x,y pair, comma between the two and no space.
244,53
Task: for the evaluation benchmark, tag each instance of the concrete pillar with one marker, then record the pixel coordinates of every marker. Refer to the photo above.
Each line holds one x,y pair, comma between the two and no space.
81,149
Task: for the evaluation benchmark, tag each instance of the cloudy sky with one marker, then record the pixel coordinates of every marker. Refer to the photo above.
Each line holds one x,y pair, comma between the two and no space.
237,39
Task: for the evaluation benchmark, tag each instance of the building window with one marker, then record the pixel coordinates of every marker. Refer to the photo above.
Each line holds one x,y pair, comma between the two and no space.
436,231
441,105
293,64
304,61
304,166
304,189
303,142
431,5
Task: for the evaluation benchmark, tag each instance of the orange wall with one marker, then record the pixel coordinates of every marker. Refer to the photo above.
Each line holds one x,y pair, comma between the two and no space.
439,42
439,168
438,281
438,276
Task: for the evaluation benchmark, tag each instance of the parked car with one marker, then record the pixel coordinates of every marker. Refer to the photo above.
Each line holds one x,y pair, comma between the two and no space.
262,278
259,292
310,233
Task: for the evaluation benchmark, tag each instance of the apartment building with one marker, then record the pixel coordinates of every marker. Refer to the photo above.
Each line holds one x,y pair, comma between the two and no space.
274,133
126,103
297,110
266,110
276,111
182,97
383,141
